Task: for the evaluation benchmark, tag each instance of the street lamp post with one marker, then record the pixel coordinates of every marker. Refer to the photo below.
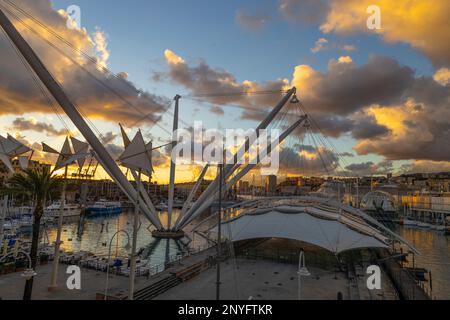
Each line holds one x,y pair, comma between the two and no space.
127,247
302,272
54,278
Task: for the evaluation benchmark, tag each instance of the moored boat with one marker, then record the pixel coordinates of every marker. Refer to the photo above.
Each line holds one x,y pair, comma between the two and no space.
408,222
104,207
424,225
70,210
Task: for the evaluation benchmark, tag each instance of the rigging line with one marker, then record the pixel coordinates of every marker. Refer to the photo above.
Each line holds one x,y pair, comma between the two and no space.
45,93
36,81
168,105
336,152
246,108
82,67
231,94
328,142
51,101
333,147
320,154
88,57
69,44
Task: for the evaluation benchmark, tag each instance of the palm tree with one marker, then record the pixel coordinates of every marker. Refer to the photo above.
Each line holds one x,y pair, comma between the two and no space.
39,185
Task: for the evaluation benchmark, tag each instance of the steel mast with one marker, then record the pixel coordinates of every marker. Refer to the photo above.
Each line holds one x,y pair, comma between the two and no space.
173,164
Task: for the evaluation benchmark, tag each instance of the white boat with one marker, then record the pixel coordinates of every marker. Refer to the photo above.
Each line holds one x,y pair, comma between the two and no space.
424,225
104,207
19,211
8,225
70,210
439,227
408,222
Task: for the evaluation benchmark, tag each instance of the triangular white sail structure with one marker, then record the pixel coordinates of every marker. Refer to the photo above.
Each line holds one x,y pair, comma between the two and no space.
126,140
7,162
24,162
20,148
80,147
147,201
11,148
48,149
6,145
101,153
66,156
137,155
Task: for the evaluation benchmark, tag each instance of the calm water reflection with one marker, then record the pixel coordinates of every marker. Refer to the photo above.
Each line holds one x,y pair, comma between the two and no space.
435,256
94,235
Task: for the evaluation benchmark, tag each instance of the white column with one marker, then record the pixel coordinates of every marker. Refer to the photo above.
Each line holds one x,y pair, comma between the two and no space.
173,163
134,240
54,280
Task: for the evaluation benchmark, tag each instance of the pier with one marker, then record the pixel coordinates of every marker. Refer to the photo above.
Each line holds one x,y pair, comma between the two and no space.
405,283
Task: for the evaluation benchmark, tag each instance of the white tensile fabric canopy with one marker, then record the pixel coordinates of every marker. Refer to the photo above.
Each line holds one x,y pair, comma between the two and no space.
137,155
333,231
11,148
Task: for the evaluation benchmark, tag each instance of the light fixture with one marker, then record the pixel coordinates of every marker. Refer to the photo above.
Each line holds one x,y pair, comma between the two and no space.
28,274
307,124
302,270
295,99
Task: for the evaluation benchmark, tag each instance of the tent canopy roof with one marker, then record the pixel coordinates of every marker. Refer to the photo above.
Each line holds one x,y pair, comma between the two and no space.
329,228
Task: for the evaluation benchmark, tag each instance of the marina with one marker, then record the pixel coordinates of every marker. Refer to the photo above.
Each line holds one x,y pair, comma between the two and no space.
116,193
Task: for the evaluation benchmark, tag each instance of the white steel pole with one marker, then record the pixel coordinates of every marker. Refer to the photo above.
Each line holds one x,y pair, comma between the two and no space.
229,169
134,240
173,163
245,171
54,281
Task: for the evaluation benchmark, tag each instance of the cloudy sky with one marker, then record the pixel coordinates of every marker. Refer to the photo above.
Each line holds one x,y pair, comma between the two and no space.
381,98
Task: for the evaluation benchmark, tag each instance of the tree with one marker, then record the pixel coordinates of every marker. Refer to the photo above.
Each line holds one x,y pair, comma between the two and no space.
38,185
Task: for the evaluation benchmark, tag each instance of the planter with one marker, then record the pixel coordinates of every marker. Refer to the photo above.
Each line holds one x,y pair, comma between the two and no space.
9,267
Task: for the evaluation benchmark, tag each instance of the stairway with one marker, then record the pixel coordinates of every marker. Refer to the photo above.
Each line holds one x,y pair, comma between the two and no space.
157,288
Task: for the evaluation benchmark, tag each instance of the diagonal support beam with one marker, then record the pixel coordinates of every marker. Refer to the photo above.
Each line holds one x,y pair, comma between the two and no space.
69,108
229,169
207,203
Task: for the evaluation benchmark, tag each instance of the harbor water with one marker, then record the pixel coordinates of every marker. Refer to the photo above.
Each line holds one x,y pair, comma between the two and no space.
434,248
94,235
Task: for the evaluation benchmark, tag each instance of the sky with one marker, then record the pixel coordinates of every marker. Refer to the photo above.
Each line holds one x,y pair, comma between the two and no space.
381,98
